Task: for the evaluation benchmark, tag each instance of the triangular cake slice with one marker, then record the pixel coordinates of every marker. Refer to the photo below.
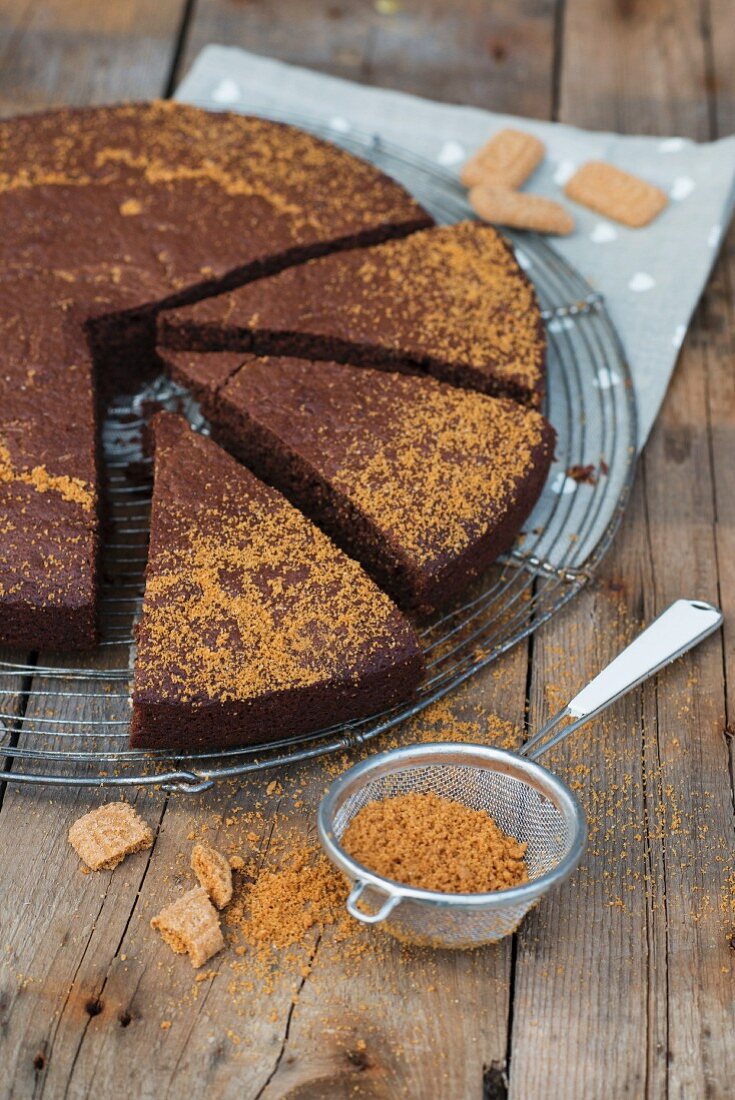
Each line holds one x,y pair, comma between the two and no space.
424,483
254,625
451,301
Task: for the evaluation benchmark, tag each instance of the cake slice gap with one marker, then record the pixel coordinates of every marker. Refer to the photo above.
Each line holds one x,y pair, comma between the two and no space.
423,483
451,301
254,626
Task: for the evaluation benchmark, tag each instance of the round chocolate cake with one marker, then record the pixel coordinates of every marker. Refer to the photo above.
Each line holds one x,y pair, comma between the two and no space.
303,297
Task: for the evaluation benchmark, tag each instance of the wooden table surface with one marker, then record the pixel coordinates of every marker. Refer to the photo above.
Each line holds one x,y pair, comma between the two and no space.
620,985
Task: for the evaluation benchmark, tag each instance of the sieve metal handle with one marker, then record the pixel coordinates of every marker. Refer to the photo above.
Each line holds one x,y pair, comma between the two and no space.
391,901
676,630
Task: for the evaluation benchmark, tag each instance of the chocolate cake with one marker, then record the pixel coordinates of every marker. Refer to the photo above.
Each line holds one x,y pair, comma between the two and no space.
107,215
450,300
49,497
254,625
423,483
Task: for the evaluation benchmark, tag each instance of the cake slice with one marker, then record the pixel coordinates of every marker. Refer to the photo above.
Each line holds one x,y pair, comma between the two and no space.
254,625
423,483
451,301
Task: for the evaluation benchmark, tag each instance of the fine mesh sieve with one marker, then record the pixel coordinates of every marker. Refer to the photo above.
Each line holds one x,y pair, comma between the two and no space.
525,799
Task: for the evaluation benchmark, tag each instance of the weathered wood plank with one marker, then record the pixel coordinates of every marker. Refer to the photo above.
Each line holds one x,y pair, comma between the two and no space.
690,717
638,1000
635,66
60,929
717,318
78,51
496,56
717,17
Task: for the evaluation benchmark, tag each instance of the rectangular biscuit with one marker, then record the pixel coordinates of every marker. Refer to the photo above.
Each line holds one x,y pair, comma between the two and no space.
105,836
191,925
213,872
518,209
616,194
508,158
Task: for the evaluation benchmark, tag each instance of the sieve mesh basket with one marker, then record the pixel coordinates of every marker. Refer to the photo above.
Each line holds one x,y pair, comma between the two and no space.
525,799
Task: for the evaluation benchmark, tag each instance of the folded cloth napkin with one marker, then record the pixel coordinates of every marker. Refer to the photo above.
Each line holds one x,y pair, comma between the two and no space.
651,278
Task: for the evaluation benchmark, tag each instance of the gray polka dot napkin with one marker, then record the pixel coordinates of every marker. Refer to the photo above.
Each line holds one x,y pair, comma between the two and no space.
650,278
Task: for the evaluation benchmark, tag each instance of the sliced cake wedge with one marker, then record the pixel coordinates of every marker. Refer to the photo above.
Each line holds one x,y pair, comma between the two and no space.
254,625
423,483
451,301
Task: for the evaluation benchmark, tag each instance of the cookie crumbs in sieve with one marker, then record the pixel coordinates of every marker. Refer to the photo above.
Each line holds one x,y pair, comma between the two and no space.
433,843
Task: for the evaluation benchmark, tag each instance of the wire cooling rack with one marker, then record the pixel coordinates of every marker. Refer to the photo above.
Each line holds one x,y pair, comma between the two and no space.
67,723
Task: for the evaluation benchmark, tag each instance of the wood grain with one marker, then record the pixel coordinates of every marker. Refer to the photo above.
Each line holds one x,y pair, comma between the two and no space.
79,51
638,1000
497,56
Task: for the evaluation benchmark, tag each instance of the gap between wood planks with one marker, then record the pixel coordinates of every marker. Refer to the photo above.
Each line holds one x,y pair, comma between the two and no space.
652,798
172,79
13,728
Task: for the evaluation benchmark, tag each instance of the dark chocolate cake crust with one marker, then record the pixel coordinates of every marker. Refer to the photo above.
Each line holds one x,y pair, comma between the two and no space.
108,214
451,301
423,483
254,625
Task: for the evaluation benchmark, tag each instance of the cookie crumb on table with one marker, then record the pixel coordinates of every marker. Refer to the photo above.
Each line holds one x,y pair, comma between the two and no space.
105,836
191,925
213,872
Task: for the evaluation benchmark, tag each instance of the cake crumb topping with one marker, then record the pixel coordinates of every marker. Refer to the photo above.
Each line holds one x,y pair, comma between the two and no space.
244,595
72,489
451,300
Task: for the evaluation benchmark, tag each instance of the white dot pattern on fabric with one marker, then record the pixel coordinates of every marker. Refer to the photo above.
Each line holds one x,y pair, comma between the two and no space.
339,125
603,233
672,145
678,338
564,171
713,238
607,378
682,188
563,484
451,153
641,281
227,91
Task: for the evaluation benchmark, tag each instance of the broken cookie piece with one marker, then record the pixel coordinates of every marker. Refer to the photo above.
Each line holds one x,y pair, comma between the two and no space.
105,836
191,925
213,873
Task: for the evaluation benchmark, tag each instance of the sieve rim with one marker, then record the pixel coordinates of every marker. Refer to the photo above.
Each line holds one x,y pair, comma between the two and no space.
454,752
